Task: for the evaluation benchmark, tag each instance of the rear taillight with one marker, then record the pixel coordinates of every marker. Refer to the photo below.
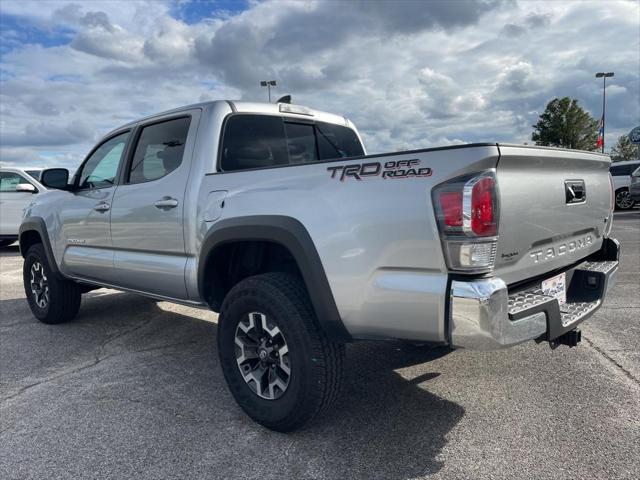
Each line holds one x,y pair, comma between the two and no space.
467,213
483,206
451,204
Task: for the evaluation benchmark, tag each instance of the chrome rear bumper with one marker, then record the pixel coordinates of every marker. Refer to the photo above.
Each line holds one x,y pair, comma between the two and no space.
485,315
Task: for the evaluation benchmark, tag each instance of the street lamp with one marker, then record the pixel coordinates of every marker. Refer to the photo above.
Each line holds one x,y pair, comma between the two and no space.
604,77
268,84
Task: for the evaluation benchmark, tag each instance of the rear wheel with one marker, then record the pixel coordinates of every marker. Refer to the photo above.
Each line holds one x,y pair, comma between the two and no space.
623,199
279,365
52,299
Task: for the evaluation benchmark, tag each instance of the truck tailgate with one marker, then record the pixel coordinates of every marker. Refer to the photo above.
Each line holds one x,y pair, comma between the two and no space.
555,207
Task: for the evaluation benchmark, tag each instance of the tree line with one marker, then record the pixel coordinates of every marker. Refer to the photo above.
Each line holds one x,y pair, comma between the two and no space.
565,124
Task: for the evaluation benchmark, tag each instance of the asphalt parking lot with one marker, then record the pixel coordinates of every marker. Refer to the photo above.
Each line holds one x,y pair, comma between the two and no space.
132,388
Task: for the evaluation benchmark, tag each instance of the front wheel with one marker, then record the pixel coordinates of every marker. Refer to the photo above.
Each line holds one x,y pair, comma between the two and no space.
623,200
279,365
52,299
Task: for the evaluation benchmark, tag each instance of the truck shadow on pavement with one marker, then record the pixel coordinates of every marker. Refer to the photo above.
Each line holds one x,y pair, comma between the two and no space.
10,251
131,378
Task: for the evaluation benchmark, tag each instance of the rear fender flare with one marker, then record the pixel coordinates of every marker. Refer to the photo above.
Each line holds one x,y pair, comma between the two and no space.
291,234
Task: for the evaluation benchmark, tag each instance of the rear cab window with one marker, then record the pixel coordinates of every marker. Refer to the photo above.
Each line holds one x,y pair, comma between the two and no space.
253,141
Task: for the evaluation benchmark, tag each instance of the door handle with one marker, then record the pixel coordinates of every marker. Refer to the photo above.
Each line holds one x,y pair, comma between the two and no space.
102,207
166,203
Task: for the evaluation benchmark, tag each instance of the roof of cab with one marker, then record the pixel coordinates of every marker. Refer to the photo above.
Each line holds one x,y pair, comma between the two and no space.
249,107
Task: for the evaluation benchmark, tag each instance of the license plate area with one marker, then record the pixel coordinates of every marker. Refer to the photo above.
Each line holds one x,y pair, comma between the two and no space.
556,287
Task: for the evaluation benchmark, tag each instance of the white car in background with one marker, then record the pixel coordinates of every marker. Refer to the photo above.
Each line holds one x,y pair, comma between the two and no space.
621,175
17,189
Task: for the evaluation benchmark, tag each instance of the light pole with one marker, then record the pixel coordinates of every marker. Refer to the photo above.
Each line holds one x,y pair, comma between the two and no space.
604,86
268,84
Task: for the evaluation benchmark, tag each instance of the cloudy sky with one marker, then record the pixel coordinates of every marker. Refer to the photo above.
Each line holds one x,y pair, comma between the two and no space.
409,74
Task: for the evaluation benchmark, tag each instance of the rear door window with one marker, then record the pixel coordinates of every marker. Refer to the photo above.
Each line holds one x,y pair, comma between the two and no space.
159,150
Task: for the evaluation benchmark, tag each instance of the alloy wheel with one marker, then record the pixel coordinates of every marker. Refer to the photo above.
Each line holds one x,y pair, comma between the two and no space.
39,285
262,355
623,199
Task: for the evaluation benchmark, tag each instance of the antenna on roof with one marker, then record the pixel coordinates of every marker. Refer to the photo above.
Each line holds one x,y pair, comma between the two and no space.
285,99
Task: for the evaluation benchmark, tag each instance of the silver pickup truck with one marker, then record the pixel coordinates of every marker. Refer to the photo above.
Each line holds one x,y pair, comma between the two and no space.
274,216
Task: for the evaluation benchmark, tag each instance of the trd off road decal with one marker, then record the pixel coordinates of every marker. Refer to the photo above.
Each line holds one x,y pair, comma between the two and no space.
391,169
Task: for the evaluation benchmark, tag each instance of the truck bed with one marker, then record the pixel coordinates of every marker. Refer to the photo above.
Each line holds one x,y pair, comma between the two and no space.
377,235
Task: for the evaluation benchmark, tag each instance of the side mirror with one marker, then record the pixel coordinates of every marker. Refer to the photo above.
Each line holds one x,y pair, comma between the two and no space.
26,187
55,178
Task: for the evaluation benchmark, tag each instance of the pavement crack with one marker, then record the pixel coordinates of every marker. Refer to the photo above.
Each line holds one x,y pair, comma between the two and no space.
122,334
162,347
626,372
51,379
8,325
98,358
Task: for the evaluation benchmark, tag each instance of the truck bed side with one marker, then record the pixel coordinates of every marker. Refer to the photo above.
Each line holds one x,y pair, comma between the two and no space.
375,234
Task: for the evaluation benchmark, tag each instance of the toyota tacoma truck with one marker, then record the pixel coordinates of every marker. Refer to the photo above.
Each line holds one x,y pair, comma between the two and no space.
273,216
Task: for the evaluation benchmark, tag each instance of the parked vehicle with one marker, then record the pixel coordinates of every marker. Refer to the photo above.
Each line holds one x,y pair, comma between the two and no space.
621,173
634,187
273,216
33,172
17,190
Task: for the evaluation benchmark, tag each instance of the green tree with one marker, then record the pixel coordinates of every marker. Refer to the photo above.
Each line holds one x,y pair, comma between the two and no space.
565,124
624,150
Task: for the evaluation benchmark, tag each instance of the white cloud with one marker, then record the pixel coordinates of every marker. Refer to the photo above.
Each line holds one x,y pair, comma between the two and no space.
109,41
409,74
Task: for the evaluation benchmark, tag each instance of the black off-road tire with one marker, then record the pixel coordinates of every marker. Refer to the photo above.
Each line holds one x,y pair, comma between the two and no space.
63,300
315,362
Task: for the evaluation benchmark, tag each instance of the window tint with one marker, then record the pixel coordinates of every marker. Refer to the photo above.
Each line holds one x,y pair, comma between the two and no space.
258,141
159,150
100,169
301,142
618,170
34,173
253,141
336,141
9,181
